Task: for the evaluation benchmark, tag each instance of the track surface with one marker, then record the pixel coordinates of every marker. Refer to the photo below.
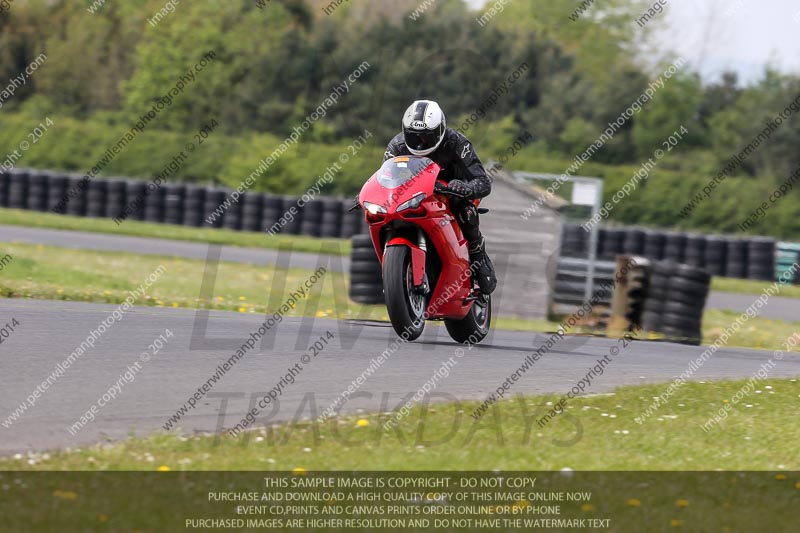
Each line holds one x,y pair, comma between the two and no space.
778,308
49,331
142,245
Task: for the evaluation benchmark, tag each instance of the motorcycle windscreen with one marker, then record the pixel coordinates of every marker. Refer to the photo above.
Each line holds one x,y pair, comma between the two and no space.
399,170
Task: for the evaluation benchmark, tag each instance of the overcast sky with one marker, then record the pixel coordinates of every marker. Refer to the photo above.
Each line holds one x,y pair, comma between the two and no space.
741,35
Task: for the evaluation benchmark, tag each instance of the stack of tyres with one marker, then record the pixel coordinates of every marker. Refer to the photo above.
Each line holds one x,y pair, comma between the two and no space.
312,218
574,241
4,176
115,199
38,184
212,205
135,197
55,192
675,302
293,215
96,198
331,221
761,258
695,250
366,278
17,189
633,243
736,259
75,196
154,203
233,212
570,280
613,243
653,245
660,272
173,202
271,213
193,206
351,220
716,255
674,246
251,211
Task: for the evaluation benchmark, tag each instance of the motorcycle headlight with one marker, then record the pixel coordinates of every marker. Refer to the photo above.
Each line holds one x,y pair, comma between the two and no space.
374,209
413,203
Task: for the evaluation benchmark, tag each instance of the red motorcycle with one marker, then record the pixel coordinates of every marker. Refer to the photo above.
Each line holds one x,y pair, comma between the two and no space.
424,255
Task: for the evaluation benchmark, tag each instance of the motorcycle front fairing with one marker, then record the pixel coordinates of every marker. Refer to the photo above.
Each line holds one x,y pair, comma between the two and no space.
400,197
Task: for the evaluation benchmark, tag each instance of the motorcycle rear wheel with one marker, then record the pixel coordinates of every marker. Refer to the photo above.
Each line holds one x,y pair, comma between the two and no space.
405,305
474,327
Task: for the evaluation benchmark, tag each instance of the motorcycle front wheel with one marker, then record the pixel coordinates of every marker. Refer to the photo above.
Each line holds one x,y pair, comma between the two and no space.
474,327
405,305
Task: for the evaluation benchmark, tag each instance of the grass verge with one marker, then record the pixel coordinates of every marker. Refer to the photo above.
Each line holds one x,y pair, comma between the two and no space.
749,286
594,433
136,228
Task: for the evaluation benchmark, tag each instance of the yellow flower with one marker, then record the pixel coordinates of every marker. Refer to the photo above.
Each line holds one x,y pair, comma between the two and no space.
362,422
300,471
676,523
588,508
242,298
65,494
321,314
174,304
164,468
633,502
522,503
780,477
797,485
242,309
682,503
102,518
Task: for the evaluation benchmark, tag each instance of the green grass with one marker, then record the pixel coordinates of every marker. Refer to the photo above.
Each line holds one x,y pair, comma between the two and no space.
748,286
595,433
16,217
761,333
54,273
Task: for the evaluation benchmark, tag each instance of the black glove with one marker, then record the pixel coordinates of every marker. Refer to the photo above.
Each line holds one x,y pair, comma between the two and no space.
460,188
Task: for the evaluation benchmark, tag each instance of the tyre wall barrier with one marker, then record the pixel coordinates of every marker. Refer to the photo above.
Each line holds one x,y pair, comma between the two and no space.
191,205
4,178
182,204
570,280
756,258
366,279
674,302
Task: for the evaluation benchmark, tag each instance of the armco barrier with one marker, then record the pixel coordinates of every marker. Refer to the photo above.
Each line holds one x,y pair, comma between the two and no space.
184,204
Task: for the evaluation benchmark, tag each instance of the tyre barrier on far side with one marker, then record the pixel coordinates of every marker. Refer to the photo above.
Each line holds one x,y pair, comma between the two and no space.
674,303
570,281
366,278
743,258
178,203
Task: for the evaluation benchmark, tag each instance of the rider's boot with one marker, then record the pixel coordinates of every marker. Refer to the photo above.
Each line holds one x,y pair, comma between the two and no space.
481,267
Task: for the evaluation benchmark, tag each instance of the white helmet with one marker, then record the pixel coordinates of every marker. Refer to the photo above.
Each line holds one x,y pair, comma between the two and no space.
423,127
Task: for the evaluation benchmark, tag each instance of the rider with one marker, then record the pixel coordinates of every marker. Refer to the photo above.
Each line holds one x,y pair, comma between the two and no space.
425,133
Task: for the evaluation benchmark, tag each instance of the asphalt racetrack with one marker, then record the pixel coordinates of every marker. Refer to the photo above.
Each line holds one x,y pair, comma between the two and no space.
50,331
